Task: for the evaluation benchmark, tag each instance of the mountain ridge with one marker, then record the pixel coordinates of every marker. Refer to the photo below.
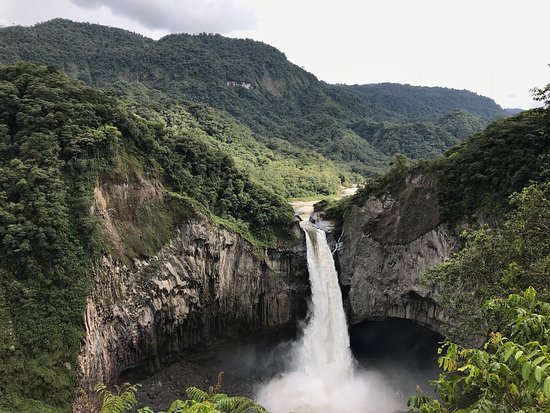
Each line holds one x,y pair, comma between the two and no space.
252,81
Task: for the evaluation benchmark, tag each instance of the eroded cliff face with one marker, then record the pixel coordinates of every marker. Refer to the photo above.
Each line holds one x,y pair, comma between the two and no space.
204,282
386,245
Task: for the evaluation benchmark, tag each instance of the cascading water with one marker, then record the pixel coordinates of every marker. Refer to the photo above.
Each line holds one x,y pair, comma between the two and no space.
323,377
325,343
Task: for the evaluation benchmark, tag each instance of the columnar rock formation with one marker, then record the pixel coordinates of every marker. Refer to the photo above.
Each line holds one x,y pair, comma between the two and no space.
206,282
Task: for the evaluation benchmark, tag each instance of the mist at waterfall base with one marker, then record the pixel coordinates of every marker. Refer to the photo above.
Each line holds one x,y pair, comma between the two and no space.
323,375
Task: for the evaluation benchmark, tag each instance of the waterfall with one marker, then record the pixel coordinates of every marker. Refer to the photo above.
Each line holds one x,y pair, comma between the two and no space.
325,344
322,376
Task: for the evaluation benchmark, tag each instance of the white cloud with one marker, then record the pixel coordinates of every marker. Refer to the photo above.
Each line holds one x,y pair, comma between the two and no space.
492,47
191,16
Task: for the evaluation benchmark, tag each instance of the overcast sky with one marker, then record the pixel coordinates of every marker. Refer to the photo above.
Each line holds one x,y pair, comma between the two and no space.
497,48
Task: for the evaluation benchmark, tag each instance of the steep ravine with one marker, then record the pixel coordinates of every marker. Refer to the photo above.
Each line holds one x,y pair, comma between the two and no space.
205,283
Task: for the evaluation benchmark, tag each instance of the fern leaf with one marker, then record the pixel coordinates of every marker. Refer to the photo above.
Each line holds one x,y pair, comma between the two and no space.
179,406
218,396
238,405
196,394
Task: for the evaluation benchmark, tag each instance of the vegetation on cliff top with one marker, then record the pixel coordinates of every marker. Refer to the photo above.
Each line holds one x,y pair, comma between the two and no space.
476,176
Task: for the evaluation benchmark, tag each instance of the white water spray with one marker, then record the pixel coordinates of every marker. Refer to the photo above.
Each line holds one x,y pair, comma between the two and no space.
323,377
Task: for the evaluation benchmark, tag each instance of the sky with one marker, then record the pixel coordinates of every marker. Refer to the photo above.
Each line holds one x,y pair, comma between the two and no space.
496,48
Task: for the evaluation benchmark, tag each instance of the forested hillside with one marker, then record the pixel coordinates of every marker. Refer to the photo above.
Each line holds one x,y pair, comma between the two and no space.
257,85
476,176
414,102
59,140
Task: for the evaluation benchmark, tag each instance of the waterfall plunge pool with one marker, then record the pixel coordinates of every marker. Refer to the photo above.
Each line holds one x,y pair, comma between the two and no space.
399,352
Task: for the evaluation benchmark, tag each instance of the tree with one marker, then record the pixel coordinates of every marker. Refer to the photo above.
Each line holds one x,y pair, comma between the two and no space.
543,95
510,373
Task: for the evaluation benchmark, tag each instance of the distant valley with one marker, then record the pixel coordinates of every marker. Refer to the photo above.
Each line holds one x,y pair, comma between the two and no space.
281,119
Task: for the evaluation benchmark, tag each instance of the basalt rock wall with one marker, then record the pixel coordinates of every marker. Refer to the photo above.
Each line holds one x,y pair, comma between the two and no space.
387,243
206,282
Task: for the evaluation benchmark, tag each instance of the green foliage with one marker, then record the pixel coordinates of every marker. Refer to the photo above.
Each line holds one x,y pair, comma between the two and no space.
52,146
124,400
510,373
480,173
258,86
199,401
58,140
496,262
425,102
543,95
420,140
391,182
476,176
199,170
274,163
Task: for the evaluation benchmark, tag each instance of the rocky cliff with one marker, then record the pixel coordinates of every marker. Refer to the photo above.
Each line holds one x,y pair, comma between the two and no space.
387,242
204,282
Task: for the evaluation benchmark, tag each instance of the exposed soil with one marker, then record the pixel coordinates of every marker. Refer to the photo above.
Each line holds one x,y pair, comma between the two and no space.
304,209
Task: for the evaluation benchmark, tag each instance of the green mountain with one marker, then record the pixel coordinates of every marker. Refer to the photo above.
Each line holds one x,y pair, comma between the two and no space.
419,102
423,139
258,86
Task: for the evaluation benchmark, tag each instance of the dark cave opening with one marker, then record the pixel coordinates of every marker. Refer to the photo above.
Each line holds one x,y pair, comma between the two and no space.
404,352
